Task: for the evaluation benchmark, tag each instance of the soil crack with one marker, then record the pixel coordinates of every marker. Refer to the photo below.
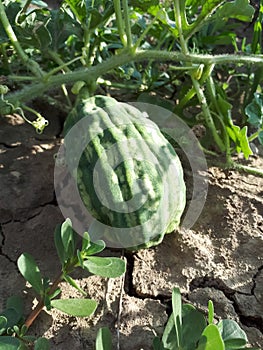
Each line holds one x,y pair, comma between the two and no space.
2,235
216,283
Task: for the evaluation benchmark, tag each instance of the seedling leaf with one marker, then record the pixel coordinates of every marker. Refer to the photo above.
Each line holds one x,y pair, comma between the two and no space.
42,344
177,314
211,339
68,238
210,312
73,283
9,343
157,344
103,339
169,338
105,267
260,137
30,271
59,245
16,303
75,307
12,317
254,111
3,323
95,247
85,241
233,336
194,323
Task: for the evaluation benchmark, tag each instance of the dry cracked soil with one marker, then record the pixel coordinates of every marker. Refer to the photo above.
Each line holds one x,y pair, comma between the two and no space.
219,258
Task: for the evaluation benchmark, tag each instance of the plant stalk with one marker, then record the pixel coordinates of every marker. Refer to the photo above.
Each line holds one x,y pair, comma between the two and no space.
34,314
92,73
30,64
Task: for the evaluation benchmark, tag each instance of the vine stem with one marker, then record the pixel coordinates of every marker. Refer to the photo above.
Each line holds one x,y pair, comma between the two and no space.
127,22
119,20
92,73
246,169
197,87
30,64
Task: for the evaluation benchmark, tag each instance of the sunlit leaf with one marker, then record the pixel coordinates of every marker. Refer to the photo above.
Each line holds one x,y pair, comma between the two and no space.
30,271
75,307
211,339
105,267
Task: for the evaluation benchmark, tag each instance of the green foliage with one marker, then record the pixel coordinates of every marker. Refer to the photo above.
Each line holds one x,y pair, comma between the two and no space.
187,329
75,307
103,339
84,34
66,241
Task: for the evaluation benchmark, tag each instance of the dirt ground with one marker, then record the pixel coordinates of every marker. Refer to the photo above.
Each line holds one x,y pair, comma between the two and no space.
220,258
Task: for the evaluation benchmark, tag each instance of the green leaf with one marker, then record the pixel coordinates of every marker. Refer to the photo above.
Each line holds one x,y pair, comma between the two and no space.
260,137
9,343
43,36
105,267
67,235
194,323
75,307
254,111
12,317
239,136
16,303
103,339
3,324
238,9
169,338
144,5
233,336
85,241
30,271
211,339
157,344
177,314
59,245
73,283
65,241
78,7
95,247
42,344
210,312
